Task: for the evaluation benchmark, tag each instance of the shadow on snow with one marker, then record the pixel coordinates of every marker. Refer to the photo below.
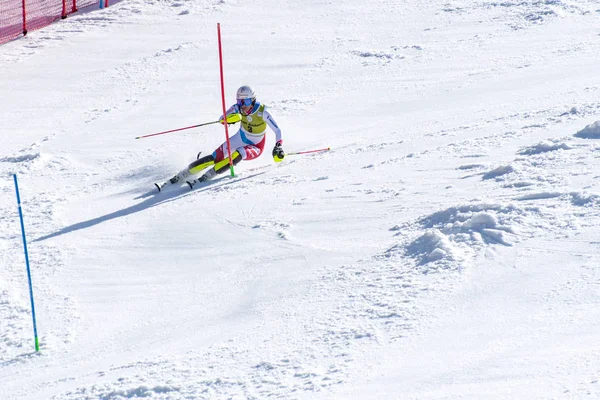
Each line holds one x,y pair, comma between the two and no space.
20,358
151,201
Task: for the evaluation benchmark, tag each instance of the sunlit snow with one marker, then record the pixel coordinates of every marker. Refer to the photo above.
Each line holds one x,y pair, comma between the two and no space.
446,247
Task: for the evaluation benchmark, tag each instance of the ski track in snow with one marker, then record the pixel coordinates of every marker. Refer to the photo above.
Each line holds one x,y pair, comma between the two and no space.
372,300
15,293
446,193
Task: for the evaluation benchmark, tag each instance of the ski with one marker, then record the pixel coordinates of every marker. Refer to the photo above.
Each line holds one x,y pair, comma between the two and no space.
180,176
208,175
191,183
211,173
161,186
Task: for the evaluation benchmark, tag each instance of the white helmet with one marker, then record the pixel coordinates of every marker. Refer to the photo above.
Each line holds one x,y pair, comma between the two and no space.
246,99
245,92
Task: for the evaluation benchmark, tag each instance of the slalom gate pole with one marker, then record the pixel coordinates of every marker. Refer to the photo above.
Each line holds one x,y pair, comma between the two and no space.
178,129
24,18
223,100
37,344
306,152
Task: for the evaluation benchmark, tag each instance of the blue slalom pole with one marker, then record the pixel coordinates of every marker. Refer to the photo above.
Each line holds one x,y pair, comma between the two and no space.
37,344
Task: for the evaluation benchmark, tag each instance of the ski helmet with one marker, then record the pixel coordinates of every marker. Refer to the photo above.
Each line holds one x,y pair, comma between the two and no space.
246,98
245,92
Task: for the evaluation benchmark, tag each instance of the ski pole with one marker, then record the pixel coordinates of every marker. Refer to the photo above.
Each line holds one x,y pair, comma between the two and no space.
175,130
231,119
306,152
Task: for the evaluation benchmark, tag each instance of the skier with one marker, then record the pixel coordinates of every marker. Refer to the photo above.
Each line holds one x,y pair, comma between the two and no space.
246,144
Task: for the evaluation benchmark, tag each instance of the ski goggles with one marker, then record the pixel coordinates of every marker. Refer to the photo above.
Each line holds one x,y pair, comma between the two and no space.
245,102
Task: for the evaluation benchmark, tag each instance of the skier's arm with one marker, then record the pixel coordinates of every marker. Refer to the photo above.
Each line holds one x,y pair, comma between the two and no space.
273,125
234,109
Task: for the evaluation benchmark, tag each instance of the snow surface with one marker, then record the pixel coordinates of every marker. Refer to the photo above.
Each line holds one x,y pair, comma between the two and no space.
447,247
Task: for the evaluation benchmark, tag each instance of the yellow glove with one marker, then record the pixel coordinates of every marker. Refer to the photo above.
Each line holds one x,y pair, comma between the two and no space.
232,118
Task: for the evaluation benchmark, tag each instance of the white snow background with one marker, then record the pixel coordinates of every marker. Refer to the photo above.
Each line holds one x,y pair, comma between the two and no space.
447,247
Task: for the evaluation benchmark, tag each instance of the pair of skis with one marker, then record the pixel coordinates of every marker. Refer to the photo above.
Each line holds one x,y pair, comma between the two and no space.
211,173
191,183
162,186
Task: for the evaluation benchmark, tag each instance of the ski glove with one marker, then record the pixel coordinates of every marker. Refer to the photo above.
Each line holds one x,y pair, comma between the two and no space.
231,119
278,152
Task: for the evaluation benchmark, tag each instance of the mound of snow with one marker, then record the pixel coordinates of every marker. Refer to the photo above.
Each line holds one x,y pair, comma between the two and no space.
544,147
483,226
579,199
584,199
433,245
22,158
470,166
539,196
373,54
453,236
592,131
497,172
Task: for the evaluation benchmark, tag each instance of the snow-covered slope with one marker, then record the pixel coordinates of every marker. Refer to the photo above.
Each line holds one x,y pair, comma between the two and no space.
446,247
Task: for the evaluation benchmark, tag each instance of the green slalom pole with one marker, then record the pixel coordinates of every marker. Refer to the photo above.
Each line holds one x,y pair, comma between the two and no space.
37,343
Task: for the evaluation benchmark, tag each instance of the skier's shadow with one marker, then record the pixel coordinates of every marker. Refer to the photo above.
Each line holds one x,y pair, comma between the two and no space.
151,201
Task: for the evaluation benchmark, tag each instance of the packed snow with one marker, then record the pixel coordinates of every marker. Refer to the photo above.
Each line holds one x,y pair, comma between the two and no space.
446,247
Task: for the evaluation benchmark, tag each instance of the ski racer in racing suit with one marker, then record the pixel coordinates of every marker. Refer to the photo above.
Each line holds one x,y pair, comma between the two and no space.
247,144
